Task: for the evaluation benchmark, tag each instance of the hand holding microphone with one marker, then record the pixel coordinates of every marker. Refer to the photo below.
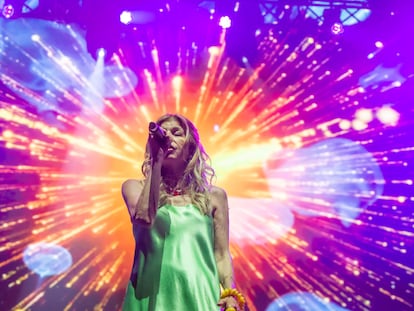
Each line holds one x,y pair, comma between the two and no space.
157,140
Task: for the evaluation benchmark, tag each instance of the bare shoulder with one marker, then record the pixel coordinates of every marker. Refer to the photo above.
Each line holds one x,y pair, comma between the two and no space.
218,198
218,193
131,186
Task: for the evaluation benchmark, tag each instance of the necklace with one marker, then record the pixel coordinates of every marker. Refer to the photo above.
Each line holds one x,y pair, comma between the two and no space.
173,190
177,191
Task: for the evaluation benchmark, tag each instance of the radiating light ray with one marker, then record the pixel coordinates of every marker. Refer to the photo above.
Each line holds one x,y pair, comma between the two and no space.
215,56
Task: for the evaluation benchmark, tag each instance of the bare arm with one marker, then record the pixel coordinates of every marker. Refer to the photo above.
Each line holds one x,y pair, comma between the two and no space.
221,247
141,197
221,237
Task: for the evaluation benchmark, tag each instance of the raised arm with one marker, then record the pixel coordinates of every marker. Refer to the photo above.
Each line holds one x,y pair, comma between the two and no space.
142,196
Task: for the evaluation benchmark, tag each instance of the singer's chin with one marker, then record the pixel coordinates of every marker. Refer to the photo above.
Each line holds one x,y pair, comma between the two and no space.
170,155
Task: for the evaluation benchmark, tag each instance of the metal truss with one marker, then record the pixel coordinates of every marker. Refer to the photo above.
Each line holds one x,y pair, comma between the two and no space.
344,4
69,9
272,8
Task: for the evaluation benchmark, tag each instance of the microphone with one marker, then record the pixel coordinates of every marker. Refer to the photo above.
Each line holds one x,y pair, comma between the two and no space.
157,131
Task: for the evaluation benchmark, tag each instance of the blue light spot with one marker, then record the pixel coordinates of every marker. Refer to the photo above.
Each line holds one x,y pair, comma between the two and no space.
302,301
47,259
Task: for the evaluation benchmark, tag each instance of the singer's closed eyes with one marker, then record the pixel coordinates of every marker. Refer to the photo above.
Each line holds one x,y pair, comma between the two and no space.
180,225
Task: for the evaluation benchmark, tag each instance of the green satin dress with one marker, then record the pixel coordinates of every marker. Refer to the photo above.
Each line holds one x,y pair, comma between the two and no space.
174,266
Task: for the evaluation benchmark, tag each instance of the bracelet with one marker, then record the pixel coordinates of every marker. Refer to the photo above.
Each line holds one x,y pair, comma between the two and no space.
236,295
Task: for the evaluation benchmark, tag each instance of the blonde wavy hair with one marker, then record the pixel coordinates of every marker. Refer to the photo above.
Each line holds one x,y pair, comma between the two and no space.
198,175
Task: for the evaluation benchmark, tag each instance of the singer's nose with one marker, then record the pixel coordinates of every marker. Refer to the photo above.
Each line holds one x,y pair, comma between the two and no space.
168,134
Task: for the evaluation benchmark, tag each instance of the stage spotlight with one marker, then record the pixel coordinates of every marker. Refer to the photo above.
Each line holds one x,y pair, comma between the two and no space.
35,38
100,53
126,17
388,116
103,54
337,28
225,22
8,11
